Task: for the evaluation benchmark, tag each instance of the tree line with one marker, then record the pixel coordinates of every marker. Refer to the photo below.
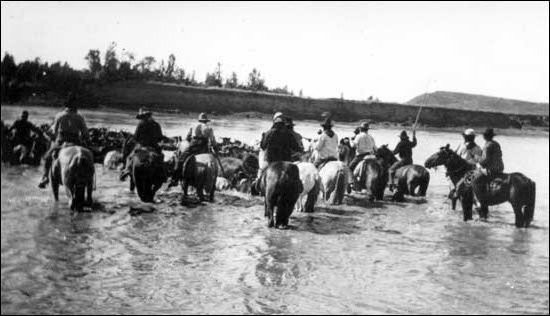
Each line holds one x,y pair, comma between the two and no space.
26,79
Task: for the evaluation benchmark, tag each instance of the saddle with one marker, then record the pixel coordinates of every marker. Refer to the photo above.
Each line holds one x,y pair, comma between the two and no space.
324,162
485,183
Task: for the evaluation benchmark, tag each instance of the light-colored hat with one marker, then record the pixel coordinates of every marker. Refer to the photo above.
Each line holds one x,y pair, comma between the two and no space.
470,132
143,113
365,125
276,115
278,119
203,117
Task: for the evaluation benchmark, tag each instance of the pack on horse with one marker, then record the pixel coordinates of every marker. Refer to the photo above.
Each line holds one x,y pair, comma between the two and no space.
371,174
74,168
515,187
411,179
200,171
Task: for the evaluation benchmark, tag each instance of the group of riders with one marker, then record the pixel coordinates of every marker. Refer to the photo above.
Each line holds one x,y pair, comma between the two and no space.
280,143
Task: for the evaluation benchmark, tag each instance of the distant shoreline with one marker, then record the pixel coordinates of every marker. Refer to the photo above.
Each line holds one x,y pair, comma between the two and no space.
526,131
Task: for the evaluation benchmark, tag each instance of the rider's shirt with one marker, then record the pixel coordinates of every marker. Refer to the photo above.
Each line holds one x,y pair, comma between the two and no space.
23,130
404,148
148,133
69,125
491,158
203,131
470,152
327,146
364,143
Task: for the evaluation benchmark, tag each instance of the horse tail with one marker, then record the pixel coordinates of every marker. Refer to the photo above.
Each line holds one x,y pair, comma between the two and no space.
529,207
340,186
312,196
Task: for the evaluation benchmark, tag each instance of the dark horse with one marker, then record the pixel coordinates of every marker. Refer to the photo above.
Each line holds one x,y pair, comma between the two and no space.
411,179
281,186
147,170
372,175
515,188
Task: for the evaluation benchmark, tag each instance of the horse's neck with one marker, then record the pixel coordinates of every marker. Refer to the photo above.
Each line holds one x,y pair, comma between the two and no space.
457,168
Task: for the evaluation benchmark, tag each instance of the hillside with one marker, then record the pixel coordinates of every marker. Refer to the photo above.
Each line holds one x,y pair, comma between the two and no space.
474,102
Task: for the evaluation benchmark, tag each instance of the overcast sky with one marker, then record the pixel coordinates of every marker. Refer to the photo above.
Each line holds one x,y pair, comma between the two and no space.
393,51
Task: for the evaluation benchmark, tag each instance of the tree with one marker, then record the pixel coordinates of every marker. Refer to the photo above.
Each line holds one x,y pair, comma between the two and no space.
171,65
233,82
111,63
179,74
255,81
214,79
94,62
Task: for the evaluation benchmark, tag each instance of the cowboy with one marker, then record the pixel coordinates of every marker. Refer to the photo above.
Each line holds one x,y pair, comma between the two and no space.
469,150
23,129
295,155
364,145
327,145
404,150
68,127
490,164
201,139
148,133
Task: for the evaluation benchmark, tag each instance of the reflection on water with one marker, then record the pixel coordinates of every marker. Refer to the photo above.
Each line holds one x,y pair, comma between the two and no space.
383,257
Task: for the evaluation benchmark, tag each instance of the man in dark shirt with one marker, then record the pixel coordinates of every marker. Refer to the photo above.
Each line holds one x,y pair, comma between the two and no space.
279,142
295,155
148,134
23,129
404,150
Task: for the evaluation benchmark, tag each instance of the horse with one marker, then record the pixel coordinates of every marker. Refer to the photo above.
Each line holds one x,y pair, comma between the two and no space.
200,171
346,153
412,180
280,186
73,168
515,188
335,177
30,154
311,183
372,175
147,172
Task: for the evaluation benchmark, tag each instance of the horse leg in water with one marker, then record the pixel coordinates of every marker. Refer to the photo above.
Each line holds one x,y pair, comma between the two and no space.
89,190
132,184
269,209
518,211
467,202
483,211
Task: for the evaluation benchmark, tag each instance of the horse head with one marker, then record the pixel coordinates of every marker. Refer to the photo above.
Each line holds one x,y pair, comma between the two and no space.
386,155
442,157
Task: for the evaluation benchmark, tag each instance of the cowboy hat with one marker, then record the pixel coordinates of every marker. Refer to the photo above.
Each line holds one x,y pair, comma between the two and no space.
327,123
143,113
276,115
203,117
278,119
469,132
403,135
489,132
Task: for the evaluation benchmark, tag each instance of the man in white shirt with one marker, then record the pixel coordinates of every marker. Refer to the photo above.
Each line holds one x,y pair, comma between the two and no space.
327,145
364,145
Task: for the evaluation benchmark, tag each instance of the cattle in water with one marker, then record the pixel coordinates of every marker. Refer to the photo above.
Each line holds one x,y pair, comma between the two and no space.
335,177
412,180
280,185
200,171
74,169
311,183
222,184
113,160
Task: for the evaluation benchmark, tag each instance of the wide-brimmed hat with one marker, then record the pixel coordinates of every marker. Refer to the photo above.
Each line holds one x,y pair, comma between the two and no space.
276,115
365,126
279,119
143,113
489,132
289,121
403,135
469,132
203,118
327,123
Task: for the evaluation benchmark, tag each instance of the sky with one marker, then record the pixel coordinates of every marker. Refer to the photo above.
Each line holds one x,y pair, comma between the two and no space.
392,51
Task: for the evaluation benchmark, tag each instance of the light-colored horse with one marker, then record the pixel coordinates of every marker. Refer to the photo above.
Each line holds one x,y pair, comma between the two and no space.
73,168
311,182
335,178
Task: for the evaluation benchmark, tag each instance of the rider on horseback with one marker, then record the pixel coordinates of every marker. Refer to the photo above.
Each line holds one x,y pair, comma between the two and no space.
327,145
23,129
201,139
469,150
295,155
278,143
68,127
148,134
404,149
491,161
364,145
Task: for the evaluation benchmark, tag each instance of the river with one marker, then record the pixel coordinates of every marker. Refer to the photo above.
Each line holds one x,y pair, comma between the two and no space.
220,258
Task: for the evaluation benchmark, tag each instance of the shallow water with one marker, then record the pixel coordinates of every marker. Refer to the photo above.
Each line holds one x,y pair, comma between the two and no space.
383,257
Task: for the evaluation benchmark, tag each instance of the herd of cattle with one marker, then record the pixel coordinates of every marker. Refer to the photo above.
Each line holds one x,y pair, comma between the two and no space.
285,185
